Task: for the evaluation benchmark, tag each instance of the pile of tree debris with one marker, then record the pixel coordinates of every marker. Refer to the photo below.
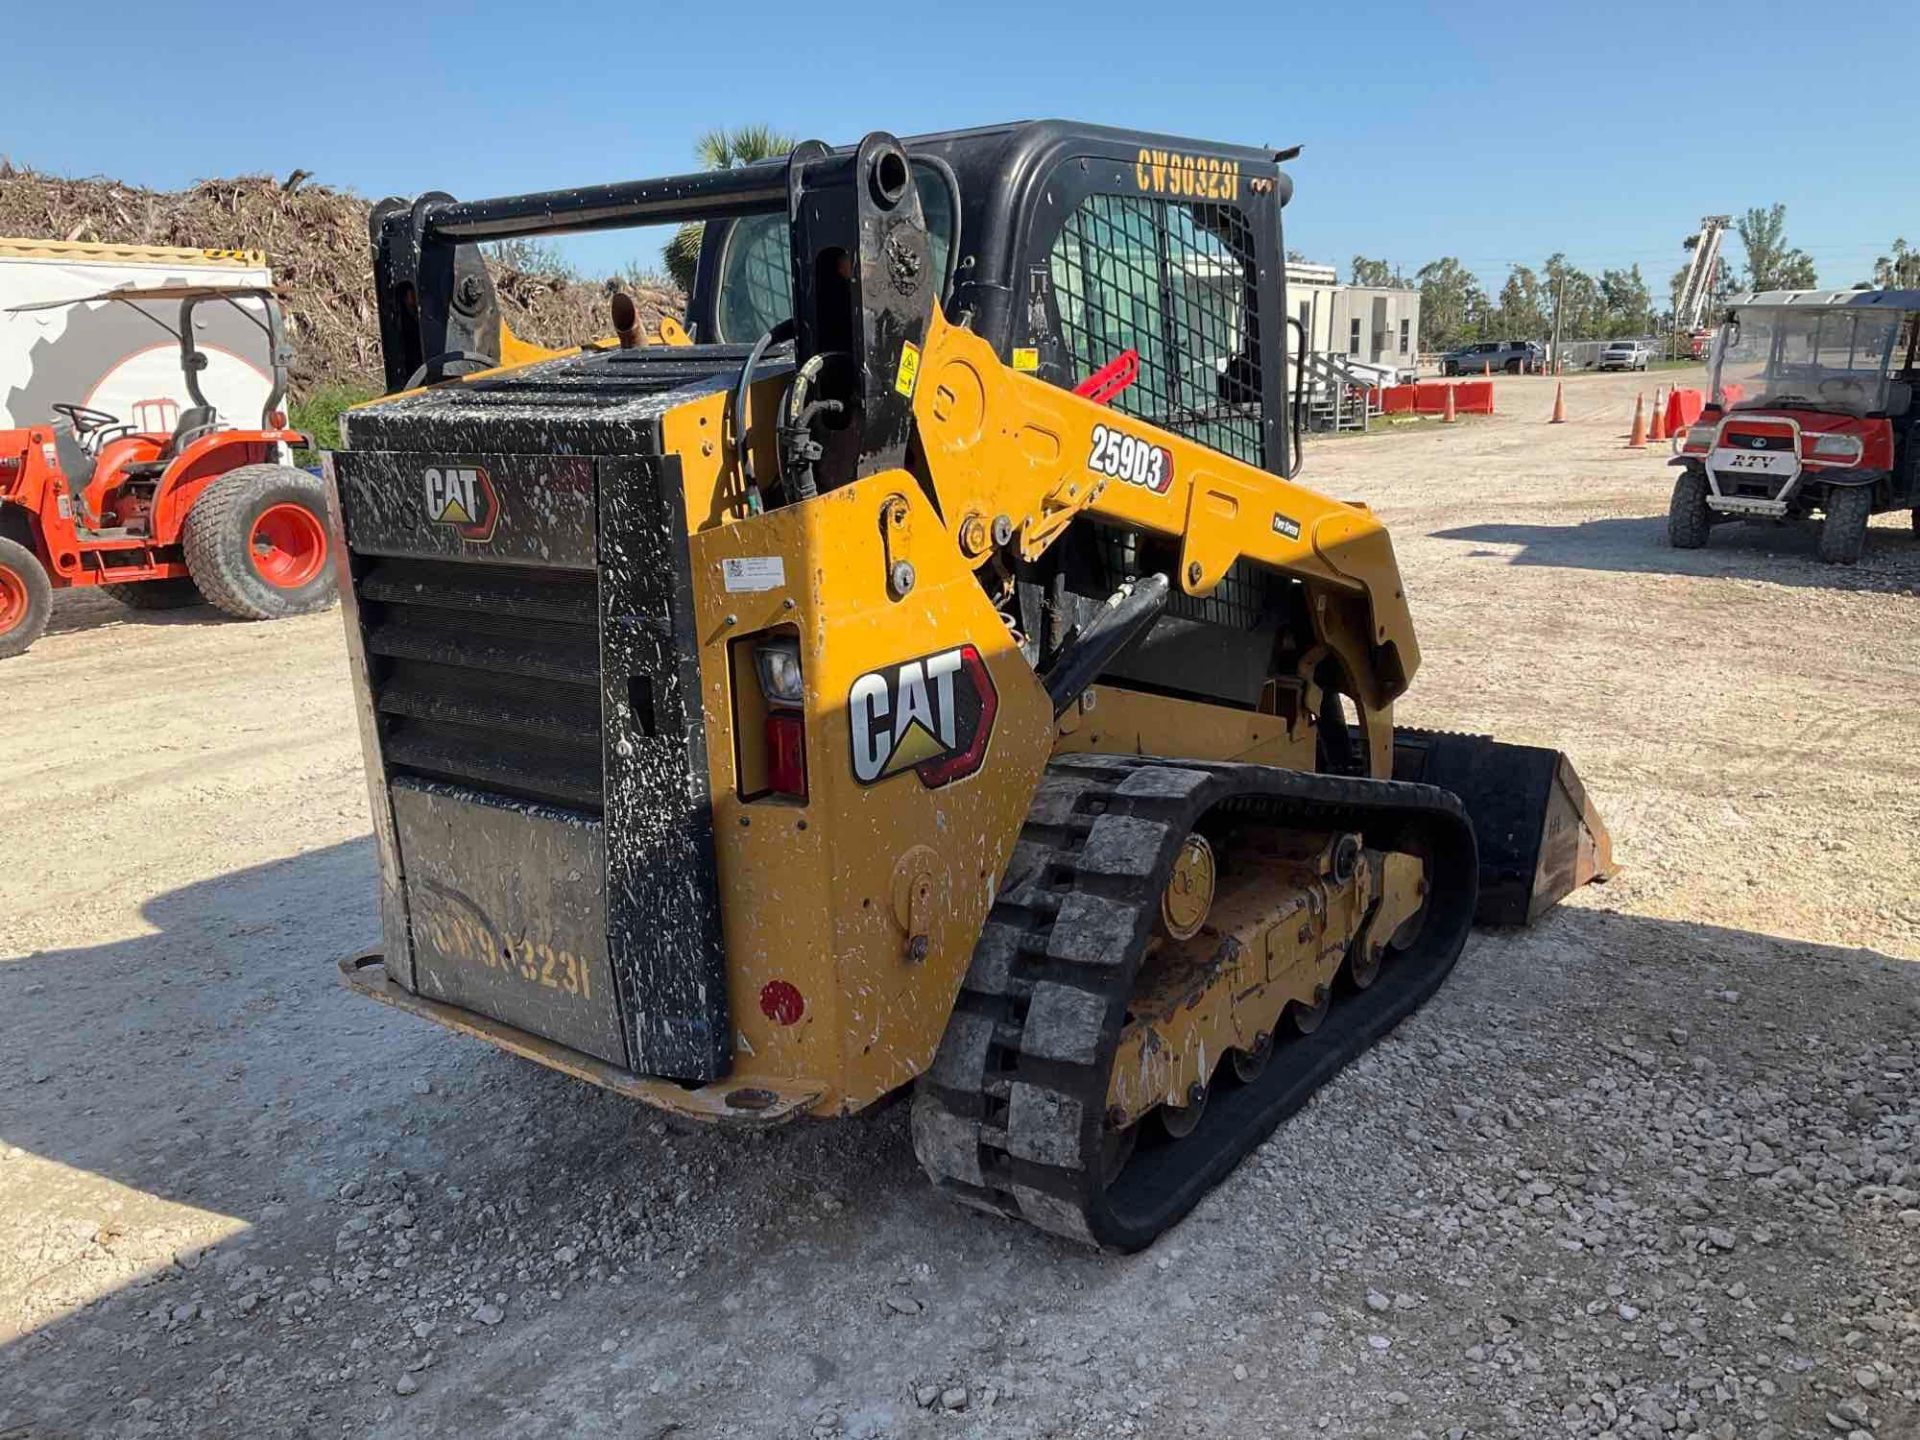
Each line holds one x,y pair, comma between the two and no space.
315,238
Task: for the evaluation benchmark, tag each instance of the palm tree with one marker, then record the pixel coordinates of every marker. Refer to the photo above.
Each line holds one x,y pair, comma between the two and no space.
1898,271
720,150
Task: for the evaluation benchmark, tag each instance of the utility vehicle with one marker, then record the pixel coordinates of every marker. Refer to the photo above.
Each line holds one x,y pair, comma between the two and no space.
1810,410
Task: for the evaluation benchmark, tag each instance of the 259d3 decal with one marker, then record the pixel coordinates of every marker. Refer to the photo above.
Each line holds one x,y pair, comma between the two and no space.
932,715
1127,457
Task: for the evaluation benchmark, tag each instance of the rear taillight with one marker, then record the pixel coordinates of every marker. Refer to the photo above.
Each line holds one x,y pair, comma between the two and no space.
783,688
787,753
1701,437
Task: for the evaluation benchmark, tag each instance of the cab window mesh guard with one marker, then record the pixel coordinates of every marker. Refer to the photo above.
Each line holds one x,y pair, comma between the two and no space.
1174,282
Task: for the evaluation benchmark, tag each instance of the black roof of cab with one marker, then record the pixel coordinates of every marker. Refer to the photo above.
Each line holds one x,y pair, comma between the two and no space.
1000,170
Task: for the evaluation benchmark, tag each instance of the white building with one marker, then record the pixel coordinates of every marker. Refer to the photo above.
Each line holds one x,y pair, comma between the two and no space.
1375,325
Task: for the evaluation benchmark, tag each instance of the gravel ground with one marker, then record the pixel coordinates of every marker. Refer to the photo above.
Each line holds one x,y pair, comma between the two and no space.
1649,1168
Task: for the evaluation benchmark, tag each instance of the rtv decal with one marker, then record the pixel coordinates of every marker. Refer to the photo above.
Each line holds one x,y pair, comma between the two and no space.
1127,457
462,498
932,715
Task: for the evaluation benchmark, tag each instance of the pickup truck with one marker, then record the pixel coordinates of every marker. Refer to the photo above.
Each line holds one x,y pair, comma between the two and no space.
1510,357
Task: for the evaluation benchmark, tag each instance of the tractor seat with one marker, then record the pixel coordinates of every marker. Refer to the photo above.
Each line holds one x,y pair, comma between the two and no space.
194,422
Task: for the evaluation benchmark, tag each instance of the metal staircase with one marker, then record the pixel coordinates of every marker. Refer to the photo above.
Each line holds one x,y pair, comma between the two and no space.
1339,397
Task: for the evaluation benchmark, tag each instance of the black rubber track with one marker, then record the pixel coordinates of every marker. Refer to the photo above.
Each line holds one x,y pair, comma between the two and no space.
1010,1117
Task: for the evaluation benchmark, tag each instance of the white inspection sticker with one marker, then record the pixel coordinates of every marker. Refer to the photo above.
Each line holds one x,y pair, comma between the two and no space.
753,572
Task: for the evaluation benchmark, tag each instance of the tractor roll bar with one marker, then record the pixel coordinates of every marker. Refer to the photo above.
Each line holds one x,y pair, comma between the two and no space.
193,360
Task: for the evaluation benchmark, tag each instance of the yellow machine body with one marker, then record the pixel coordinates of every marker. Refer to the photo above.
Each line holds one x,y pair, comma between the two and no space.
1079,900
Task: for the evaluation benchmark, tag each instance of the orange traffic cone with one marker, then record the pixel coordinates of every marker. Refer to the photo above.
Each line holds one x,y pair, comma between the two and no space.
1486,368
1638,440
1658,433
1447,416
1559,404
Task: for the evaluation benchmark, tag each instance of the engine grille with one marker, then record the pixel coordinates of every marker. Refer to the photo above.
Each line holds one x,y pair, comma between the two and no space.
1755,437
488,675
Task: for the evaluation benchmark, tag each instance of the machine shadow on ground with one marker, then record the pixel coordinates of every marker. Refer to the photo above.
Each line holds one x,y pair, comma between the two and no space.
1780,554
218,1063
89,609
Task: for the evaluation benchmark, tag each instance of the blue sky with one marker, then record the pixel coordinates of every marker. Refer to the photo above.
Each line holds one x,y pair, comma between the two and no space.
1493,132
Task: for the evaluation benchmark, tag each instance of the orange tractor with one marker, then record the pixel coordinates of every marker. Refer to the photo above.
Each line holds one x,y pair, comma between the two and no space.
163,515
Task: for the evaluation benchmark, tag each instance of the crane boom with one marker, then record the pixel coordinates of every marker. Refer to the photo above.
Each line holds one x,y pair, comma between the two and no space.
1702,269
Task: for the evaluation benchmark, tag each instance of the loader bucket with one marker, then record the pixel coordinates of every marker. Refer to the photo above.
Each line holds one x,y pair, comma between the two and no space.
1540,837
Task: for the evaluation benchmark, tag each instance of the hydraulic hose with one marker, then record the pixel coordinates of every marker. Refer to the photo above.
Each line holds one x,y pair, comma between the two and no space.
737,406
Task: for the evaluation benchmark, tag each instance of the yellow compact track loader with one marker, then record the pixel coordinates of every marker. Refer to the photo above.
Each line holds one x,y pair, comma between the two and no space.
921,669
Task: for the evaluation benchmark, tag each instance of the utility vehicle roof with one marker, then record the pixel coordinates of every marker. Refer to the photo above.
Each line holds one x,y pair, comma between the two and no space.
1878,299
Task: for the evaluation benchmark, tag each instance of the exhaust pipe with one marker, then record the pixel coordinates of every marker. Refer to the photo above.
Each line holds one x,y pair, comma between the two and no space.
626,320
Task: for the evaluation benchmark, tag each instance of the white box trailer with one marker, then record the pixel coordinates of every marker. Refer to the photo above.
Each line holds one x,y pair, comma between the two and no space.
124,357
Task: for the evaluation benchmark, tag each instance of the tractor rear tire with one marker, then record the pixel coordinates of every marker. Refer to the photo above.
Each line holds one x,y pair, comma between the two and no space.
1843,534
156,594
257,543
26,598
1689,522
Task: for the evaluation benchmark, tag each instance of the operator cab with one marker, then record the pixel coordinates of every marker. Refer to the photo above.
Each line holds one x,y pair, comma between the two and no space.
1811,408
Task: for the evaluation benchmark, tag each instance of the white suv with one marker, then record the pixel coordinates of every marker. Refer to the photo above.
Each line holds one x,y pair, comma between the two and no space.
1625,355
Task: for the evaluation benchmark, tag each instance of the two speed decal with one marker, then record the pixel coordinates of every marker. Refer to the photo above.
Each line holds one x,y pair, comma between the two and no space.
1129,458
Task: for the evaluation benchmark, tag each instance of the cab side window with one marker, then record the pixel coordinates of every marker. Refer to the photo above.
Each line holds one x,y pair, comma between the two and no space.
756,288
1175,282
